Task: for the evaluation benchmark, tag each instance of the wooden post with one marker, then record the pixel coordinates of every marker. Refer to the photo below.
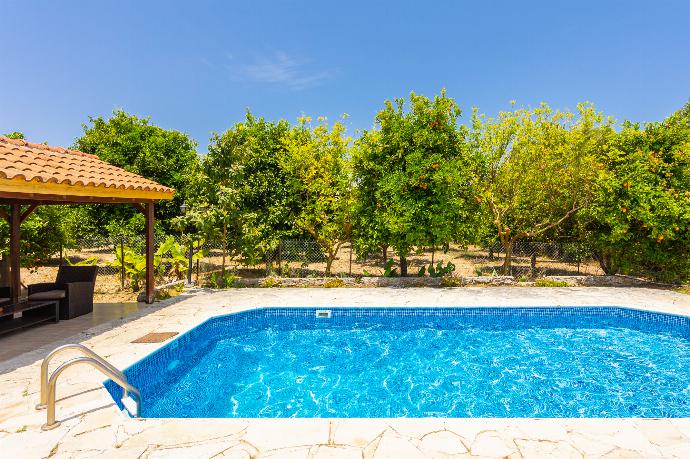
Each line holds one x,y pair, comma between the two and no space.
15,228
150,283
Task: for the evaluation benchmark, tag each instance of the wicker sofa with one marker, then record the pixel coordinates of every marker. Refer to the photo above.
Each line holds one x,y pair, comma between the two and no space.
73,287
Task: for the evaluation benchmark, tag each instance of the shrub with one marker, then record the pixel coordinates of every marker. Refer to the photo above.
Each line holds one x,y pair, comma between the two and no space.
334,283
270,282
219,280
550,283
450,281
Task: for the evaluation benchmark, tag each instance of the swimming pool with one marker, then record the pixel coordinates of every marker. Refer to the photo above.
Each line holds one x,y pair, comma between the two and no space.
422,362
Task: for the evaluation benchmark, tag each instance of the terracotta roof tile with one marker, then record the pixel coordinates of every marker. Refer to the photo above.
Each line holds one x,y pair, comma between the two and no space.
20,159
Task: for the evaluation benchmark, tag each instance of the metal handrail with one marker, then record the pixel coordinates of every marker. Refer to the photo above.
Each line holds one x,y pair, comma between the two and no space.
117,376
66,347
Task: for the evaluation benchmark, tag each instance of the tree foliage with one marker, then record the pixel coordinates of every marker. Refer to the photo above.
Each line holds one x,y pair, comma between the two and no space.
247,159
640,219
316,163
136,145
541,167
42,235
415,177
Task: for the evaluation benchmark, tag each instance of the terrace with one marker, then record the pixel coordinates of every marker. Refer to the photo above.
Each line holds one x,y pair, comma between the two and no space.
92,425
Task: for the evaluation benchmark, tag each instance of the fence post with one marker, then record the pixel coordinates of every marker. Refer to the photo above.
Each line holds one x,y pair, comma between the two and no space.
533,261
122,258
197,262
190,267
280,258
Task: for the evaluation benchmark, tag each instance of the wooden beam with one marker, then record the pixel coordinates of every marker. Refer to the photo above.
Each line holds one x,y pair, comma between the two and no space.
4,214
15,265
139,207
150,285
7,197
27,212
20,185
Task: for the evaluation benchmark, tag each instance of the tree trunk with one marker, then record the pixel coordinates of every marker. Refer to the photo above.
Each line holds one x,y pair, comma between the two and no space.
403,266
433,252
329,263
384,251
507,261
604,262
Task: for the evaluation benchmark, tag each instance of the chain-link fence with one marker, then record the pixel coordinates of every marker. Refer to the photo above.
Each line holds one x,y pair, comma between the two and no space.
303,258
120,261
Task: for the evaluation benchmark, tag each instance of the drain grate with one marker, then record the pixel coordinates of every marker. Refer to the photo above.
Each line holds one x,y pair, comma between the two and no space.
155,337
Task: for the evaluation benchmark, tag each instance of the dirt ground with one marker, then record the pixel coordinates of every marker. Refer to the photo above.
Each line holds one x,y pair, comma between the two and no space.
469,261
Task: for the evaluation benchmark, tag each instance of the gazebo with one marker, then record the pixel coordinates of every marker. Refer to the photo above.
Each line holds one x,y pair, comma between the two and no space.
34,174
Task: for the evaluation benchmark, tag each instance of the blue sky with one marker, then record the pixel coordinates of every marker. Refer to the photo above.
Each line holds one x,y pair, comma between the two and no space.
197,66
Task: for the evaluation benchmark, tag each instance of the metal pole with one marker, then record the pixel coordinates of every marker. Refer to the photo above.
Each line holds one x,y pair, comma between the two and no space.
150,281
191,266
122,258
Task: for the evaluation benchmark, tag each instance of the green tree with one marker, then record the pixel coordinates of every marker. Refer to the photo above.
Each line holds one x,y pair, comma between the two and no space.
415,178
136,145
217,222
639,222
247,158
317,165
42,235
541,169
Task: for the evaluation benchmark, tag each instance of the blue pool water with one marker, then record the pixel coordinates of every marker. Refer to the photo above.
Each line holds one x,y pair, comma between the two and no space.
422,362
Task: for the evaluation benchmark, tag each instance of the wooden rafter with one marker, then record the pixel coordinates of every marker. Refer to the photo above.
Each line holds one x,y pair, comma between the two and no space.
139,207
27,212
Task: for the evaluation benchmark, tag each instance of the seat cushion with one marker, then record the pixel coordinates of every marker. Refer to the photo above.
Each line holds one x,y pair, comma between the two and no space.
4,300
49,295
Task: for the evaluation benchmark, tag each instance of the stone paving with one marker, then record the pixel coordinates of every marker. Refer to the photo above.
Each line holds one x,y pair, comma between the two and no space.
93,427
45,334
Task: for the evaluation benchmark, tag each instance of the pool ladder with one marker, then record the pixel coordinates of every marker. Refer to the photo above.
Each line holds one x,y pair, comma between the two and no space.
48,383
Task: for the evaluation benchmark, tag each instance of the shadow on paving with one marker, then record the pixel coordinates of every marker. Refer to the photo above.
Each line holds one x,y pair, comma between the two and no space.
23,347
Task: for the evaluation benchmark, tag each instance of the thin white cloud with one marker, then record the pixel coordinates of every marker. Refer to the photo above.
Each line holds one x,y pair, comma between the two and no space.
282,69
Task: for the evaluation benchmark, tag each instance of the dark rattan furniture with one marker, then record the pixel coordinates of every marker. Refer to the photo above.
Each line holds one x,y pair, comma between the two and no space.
5,295
33,312
73,288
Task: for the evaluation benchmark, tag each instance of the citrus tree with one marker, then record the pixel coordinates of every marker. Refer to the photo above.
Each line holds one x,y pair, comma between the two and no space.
415,177
640,219
139,146
317,164
247,158
541,167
